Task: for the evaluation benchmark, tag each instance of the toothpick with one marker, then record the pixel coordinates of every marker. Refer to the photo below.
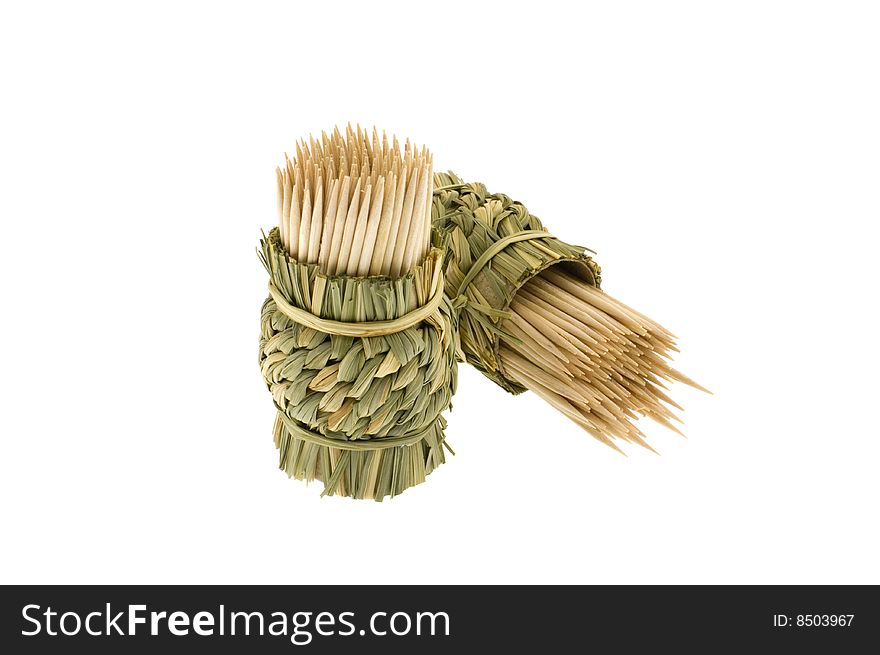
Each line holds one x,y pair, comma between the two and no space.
354,204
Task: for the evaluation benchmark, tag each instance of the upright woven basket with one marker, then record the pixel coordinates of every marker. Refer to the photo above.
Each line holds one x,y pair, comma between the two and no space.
494,246
360,370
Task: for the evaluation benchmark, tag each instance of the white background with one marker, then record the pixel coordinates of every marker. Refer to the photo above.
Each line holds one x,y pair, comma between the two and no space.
722,158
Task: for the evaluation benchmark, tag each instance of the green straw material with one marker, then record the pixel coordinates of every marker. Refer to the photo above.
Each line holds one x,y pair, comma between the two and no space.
378,397
494,246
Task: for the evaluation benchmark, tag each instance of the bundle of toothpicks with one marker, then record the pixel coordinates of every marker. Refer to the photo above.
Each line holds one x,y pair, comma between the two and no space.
533,317
383,274
358,340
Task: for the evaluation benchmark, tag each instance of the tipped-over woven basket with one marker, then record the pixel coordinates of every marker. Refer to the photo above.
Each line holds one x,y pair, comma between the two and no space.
494,246
360,369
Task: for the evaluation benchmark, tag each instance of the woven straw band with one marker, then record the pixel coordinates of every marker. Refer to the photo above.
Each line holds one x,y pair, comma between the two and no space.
358,444
363,329
508,246
496,248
